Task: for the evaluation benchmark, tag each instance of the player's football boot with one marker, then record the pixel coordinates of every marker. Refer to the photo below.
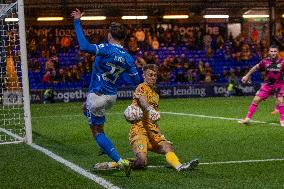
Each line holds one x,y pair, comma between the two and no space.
275,112
105,166
245,121
189,165
125,166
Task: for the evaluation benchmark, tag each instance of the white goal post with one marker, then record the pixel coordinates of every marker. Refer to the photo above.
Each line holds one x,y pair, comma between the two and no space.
15,116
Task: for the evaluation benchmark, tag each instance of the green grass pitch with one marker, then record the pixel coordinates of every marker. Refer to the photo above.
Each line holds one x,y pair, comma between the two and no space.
62,129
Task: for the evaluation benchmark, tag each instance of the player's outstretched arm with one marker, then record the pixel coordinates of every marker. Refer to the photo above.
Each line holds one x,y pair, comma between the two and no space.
83,42
134,76
245,79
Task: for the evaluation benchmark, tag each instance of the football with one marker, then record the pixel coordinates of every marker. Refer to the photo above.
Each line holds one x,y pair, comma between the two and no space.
133,113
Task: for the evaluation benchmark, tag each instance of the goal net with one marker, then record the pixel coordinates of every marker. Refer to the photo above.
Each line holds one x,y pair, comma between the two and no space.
15,125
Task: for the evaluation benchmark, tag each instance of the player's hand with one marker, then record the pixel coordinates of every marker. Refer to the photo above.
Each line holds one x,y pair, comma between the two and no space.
245,79
153,114
76,14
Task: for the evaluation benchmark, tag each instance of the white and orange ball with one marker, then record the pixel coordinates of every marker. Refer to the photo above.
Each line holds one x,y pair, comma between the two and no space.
133,113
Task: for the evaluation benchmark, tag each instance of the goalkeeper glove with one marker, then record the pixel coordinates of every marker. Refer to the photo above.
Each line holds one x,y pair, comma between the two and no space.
153,114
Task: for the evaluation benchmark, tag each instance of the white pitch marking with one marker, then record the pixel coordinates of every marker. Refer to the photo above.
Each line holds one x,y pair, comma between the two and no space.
215,117
99,180
169,113
229,162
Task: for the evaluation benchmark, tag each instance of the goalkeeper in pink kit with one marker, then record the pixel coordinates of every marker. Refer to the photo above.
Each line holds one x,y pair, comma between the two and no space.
273,84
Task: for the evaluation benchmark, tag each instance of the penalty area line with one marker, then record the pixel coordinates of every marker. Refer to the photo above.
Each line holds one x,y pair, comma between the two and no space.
169,113
215,117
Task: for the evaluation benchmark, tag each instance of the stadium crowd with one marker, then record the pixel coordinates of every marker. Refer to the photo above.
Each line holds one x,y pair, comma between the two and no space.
195,57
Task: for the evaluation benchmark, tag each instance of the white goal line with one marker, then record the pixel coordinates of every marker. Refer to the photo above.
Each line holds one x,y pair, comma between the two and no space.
228,162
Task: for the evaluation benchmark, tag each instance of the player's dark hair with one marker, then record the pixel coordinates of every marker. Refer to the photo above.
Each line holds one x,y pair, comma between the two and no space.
152,67
118,31
273,46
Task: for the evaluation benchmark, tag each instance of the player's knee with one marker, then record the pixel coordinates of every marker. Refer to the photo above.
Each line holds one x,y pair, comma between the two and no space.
257,100
166,147
141,161
97,129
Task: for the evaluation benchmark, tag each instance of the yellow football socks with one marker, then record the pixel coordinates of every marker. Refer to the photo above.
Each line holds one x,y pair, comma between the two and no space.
173,160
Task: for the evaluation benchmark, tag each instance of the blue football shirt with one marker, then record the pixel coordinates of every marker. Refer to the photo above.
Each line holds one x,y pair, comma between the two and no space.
111,62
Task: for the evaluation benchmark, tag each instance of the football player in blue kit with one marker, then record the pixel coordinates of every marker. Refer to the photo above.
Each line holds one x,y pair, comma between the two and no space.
110,63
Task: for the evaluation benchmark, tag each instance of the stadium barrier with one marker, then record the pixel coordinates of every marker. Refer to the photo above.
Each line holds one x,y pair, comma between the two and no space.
166,91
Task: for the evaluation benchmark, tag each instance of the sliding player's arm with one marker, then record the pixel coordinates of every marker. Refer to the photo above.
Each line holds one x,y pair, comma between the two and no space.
141,96
83,42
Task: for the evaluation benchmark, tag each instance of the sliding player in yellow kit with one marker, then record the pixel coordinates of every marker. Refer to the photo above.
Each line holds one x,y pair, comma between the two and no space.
145,134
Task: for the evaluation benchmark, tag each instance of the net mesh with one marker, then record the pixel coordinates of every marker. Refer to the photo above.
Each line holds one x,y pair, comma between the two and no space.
11,98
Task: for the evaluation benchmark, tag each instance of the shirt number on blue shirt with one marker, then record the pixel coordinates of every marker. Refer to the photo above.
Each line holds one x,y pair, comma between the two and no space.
113,74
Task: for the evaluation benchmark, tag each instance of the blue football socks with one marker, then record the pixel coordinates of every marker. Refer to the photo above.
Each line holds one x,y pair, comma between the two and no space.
106,145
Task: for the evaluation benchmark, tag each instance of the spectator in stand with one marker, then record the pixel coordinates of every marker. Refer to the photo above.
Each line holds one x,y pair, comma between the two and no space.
189,74
180,73
227,53
34,65
32,47
61,76
65,43
191,64
245,53
53,77
55,62
43,46
155,43
176,35
44,54
160,33
239,72
199,40
140,62
237,48
140,35
66,74
80,67
49,66
183,59
225,74
200,70
209,52
207,40
53,50
46,79
207,67
233,77
208,78
265,53
76,75
164,71
168,37
191,39
132,45
219,42
254,35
